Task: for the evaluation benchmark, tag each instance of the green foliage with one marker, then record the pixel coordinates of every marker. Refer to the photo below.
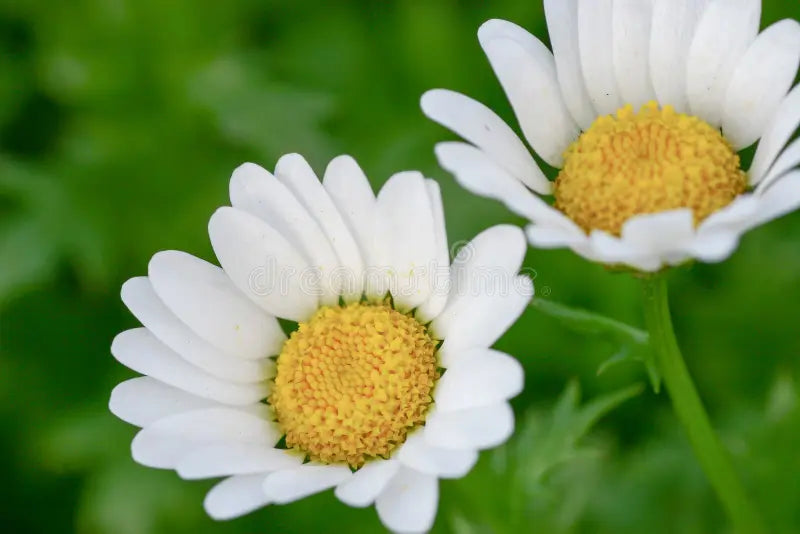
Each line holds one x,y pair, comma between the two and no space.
120,122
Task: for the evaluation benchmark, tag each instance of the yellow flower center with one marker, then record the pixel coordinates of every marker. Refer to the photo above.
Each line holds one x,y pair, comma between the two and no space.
646,162
352,382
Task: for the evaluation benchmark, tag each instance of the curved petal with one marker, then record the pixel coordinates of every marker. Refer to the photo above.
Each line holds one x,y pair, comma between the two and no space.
409,502
550,236
609,249
562,25
761,80
481,377
255,191
405,228
673,28
236,496
441,266
203,297
782,198
526,70
475,428
139,350
480,126
631,32
420,456
234,458
140,298
788,160
660,234
367,483
595,39
296,174
777,133
263,265
290,485
725,31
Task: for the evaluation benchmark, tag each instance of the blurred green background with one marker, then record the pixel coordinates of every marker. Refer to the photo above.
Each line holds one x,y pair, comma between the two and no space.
120,122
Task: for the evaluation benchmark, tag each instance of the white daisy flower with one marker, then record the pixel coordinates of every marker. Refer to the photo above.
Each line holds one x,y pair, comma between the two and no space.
387,384
642,106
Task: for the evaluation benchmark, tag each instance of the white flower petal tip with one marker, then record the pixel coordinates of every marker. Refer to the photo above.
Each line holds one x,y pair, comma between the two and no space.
367,483
236,496
409,502
283,487
474,428
480,377
417,454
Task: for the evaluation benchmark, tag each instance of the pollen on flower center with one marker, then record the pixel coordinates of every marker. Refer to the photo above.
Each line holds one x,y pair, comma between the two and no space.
352,382
646,162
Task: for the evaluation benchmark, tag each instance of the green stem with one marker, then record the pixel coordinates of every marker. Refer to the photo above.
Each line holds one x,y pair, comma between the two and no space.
690,411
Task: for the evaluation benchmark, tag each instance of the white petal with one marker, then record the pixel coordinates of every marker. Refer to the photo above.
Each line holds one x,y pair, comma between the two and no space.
673,28
609,249
263,265
480,377
482,127
140,298
294,172
234,458
734,215
725,31
441,266
478,174
715,246
527,71
259,193
236,496
631,36
595,39
475,428
659,234
409,502
551,236
761,80
283,487
405,226
367,483
164,443
777,133
144,400
562,25
482,319
350,191
782,198
139,350
417,454
788,160
203,297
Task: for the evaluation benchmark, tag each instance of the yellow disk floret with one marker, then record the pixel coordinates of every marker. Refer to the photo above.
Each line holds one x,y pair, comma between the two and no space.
646,162
352,382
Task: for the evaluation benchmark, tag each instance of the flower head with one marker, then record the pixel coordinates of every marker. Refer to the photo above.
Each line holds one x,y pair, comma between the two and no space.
387,382
642,106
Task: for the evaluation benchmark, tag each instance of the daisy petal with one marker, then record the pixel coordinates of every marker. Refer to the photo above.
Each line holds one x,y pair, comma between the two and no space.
202,296
482,127
223,459
139,350
631,21
595,39
140,298
715,246
164,443
263,265
405,225
673,28
475,428
236,496
481,377
409,502
548,236
562,25
441,267
660,234
782,198
367,483
612,250
417,454
788,160
255,191
144,400
526,70
777,133
724,32
296,174
761,80
290,485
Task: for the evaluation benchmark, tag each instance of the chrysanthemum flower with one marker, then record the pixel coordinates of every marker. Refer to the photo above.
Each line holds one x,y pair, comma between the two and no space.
386,384
642,105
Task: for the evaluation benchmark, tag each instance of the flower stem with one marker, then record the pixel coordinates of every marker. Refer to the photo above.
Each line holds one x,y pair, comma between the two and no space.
690,411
